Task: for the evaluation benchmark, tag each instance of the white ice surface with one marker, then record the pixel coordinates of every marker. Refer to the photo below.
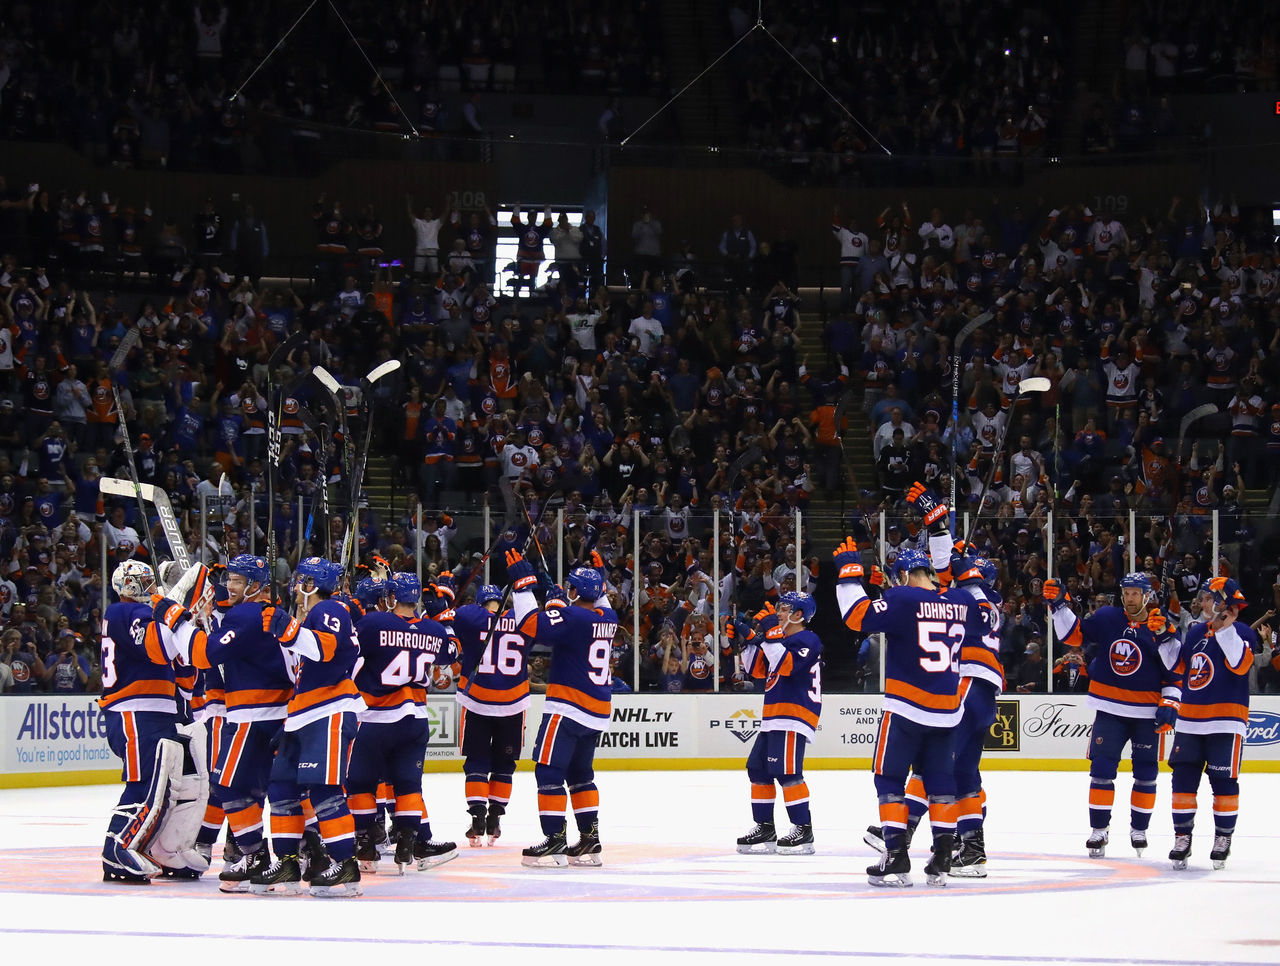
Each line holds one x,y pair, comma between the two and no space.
673,887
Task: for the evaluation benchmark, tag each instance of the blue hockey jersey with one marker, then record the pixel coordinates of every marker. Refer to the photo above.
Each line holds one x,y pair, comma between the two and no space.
581,642
1129,672
397,658
495,678
792,669
136,671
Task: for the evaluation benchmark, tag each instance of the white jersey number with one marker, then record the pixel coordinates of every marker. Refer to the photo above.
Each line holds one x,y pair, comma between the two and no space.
941,645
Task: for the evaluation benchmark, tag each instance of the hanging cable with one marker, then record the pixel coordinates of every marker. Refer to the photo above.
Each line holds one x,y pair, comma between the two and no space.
374,69
271,52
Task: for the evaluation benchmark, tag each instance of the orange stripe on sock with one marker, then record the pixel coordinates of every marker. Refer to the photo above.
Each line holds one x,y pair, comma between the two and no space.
1184,801
332,829
893,813
793,793
288,825
762,793
214,816
1226,803
1144,801
409,805
385,792
362,802
245,819
970,807
1102,797
585,800
476,790
915,787
552,803
308,810
500,791
942,813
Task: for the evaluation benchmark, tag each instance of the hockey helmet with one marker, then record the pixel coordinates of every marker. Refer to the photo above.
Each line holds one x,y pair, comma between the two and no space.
487,593
325,574
406,587
587,582
133,579
799,602
1226,591
251,568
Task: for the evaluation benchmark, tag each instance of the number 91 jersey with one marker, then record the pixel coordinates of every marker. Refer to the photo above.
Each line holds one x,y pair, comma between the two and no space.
581,642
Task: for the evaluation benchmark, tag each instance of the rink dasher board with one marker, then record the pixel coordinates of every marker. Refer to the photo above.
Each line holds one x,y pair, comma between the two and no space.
50,740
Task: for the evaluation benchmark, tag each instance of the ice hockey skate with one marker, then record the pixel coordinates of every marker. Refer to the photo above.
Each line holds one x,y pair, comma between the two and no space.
970,862
429,853
799,841
1181,850
475,834
940,862
893,871
1138,839
313,857
1097,843
1221,849
282,878
493,825
340,881
547,854
236,876
367,854
404,857
587,850
761,839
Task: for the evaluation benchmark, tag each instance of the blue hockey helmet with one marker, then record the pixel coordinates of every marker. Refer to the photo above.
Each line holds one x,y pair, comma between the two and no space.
1226,590
1138,580
587,582
251,568
990,575
325,574
800,602
909,560
487,593
370,591
406,587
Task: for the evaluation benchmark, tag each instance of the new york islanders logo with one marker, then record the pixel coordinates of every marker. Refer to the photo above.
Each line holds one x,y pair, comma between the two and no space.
1125,657
1200,673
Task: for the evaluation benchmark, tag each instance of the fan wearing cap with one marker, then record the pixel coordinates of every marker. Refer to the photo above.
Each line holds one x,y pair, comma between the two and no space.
924,630
1213,664
1133,692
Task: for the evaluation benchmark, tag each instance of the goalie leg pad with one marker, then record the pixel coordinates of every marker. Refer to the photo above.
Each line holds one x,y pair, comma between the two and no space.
135,820
173,843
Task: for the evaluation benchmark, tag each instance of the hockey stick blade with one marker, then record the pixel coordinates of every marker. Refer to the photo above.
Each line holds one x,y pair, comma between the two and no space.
327,380
1034,384
131,339
114,486
282,351
1201,411
971,326
388,367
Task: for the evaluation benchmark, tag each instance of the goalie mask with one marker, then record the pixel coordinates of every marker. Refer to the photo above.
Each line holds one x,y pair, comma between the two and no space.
134,580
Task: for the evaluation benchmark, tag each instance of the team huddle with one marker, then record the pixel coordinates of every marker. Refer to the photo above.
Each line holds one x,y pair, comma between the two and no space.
229,708
940,616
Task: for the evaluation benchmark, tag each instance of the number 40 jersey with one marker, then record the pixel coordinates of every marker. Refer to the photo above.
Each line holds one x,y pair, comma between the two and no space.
396,661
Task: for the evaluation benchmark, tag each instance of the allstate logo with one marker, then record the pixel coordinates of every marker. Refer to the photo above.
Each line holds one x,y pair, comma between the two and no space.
1125,657
1263,729
1201,671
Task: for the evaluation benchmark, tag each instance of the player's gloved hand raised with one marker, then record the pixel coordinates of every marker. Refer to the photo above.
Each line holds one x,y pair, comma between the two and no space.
519,571
168,612
1166,715
597,561
1054,593
848,560
877,576
767,610
277,622
933,511
556,593
1157,623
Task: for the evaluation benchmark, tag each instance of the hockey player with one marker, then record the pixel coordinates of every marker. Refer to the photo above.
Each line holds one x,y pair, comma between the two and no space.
1214,665
395,670
924,630
577,707
789,656
312,757
493,697
209,706
257,674
1132,689
138,698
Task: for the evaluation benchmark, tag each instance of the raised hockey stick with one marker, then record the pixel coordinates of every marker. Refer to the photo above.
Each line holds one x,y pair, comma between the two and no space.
334,388
969,328
114,486
1025,388
747,457
275,415
116,364
555,499
357,478
322,434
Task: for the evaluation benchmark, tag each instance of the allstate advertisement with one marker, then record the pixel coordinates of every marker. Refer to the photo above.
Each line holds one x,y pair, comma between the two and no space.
53,736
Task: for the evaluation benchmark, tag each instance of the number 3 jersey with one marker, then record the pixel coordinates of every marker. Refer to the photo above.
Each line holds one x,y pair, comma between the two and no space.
396,661
136,673
581,642
1129,672
495,674
924,631
792,669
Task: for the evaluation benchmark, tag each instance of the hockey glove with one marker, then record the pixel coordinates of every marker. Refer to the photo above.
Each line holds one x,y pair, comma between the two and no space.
168,612
277,622
1157,623
934,513
1054,593
519,571
1166,715
848,560
877,577
597,561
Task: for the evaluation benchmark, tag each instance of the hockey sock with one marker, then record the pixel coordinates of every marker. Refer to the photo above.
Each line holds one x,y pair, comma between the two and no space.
893,823
551,805
585,799
364,808
969,814
1186,781
214,816
499,792
982,796
477,790
1102,793
1225,808
337,825
245,816
409,809
386,801
797,798
287,822
762,803
1142,801
917,801
942,817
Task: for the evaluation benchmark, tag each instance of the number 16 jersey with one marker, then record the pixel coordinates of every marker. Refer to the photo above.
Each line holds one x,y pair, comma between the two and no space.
495,672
